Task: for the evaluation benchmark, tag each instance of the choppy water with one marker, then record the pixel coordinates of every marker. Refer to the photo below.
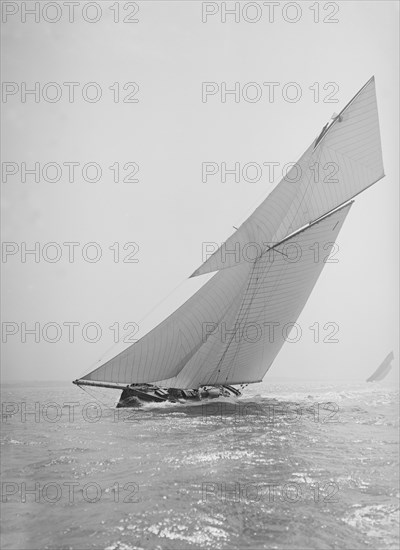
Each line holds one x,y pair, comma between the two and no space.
280,468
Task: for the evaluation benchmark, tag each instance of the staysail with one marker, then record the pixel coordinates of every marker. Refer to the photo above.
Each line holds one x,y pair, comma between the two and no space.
342,162
165,350
383,370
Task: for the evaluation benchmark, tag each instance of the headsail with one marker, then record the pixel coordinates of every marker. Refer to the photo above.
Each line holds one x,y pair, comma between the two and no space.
383,370
243,345
165,350
344,160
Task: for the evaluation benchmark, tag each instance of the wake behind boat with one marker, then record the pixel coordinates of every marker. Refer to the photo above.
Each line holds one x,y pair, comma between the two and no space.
224,335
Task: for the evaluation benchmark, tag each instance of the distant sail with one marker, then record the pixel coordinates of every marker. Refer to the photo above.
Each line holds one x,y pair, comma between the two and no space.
345,159
383,370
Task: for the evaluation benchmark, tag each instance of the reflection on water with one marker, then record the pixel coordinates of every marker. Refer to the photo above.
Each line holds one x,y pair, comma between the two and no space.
286,466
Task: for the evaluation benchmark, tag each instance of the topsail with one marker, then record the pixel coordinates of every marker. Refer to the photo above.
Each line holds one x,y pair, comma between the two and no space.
343,161
230,331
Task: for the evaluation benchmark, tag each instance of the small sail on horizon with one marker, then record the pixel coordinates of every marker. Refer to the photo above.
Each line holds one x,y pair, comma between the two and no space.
225,333
383,370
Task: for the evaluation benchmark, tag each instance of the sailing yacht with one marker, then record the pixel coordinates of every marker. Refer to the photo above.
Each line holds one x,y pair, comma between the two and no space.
221,337
383,370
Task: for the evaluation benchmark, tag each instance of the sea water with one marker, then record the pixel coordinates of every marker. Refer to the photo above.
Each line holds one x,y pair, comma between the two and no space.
287,466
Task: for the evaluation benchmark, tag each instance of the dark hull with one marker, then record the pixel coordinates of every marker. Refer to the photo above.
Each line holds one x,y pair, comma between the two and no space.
138,394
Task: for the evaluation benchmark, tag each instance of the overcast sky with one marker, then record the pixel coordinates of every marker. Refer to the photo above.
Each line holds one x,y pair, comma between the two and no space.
169,133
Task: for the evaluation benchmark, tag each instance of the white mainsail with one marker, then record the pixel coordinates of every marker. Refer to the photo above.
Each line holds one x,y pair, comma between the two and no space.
246,341
230,331
346,160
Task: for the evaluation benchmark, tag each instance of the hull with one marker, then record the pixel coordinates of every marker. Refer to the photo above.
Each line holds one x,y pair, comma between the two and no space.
138,394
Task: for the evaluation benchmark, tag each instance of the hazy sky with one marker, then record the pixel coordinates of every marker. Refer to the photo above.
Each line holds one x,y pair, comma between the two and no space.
169,133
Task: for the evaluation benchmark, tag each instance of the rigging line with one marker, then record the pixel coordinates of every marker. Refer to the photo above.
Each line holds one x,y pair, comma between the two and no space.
95,397
246,314
241,307
308,182
234,335
262,273
270,187
217,322
272,248
264,198
100,360
256,290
